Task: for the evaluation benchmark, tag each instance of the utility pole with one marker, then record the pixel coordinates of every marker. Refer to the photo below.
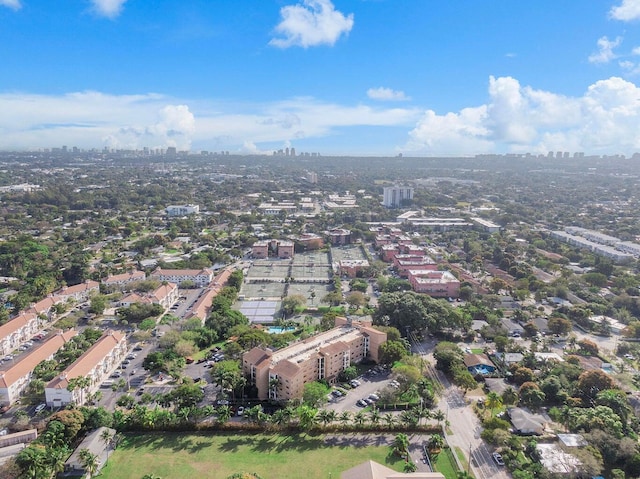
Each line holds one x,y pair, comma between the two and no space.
469,463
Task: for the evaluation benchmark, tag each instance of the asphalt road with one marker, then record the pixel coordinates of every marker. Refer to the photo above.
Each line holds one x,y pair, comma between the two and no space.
464,426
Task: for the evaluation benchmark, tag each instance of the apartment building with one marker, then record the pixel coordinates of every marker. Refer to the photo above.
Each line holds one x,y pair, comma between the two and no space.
200,309
284,249
165,295
18,330
282,374
351,267
124,278
14,378
339,236
406,262
396,196
201,277
182,210
437,284
79,292
95,364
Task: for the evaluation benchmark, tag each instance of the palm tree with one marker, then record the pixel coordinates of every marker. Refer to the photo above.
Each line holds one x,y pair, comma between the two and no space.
279,418
509,396
223,413
307,417
493,401
409,418
252,413
106,437
344,418
323,417
401,445
439,416
57,457
389,420
89,461
359,418
409,467
435,444
374,416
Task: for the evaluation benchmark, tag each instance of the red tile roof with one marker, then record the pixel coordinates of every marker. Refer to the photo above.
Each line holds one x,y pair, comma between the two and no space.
20,369
88,360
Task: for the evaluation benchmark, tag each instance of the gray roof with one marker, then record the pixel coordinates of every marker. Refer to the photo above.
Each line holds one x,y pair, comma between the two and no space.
94,443
526,422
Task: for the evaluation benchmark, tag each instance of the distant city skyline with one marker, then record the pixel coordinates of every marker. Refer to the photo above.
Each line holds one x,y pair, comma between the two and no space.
339,77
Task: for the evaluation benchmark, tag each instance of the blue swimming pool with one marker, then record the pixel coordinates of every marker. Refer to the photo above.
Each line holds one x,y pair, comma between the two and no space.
279,330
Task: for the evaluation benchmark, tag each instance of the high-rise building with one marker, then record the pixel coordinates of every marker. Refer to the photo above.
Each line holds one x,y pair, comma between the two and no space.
396,196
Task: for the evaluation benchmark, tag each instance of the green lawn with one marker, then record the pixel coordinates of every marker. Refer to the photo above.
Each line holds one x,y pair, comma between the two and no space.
201,456
445,463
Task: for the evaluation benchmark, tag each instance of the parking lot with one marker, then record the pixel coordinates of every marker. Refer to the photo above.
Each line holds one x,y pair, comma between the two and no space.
369,384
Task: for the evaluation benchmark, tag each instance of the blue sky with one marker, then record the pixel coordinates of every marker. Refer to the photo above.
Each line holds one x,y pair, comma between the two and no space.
362,77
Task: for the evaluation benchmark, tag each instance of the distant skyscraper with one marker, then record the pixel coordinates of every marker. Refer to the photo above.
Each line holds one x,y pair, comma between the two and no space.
395,196
171,151
292,152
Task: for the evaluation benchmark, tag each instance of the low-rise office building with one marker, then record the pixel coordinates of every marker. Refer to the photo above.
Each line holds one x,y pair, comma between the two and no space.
282,374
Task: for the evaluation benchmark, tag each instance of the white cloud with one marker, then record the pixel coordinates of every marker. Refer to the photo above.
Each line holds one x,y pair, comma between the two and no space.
14,4
605,119
94,120
108,8
627,11
311,23
386,94
605,50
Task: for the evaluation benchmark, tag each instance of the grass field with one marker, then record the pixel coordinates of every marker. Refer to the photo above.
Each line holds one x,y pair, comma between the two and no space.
445,463
202,456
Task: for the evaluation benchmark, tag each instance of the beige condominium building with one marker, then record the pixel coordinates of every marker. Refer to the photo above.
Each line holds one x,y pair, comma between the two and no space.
282,374
95,364
15,377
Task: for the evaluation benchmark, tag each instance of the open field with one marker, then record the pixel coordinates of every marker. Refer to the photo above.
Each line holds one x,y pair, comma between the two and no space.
202,456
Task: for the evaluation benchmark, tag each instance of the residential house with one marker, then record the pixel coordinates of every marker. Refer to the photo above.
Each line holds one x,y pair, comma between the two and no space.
479,364
526,423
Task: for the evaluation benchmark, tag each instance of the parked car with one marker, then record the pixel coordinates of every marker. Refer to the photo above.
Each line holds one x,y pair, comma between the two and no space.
498,458
40,408
240,410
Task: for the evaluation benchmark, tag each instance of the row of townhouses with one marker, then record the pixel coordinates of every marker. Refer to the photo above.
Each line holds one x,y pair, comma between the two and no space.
105,355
